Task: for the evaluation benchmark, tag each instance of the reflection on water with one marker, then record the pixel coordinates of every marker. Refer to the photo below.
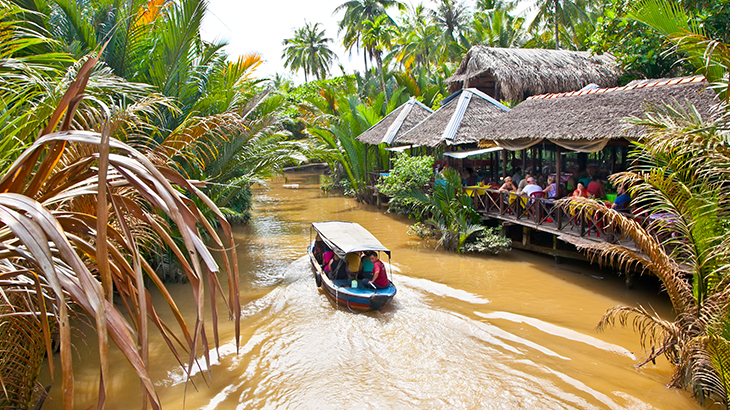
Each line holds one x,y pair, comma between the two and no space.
465,332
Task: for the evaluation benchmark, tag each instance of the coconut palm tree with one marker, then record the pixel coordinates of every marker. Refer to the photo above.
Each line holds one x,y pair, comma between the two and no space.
564,16
76,207
495,27
413,46
356,12
452,17
377,37
309,51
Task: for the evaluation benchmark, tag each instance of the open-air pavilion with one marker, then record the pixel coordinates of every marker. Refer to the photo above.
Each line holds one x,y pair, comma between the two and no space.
577,124
458,123
592,121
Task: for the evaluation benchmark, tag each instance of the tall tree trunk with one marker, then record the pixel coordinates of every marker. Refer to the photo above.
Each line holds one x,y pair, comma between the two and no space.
22,350
381,77
557,31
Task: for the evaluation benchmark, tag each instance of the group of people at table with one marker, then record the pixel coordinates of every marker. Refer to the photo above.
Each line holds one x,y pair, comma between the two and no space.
587,187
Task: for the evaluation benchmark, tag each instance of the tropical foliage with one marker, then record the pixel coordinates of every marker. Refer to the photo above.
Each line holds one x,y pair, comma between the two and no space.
77,209
681,172
448,210
337,116
95,172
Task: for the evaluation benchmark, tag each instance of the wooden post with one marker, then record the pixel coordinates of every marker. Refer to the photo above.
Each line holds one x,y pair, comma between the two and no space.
524,160
504,162
558,171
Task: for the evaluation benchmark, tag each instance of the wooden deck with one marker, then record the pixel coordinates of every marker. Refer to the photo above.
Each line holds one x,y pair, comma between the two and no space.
541,214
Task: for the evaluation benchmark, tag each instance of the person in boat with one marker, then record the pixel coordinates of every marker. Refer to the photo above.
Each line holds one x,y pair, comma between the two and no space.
327,258
318,250
338,271
380,277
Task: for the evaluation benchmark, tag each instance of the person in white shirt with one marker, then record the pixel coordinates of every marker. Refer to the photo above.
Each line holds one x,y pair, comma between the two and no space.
530,187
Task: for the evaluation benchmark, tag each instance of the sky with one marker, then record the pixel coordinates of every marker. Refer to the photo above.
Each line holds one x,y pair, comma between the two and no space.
261,26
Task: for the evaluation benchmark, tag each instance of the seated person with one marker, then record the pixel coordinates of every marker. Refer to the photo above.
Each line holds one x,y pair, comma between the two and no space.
595,187
622,200
367,269
354,267
471,178
380,277
523,182
551,190
530,187
508,185
335,268
581,191
327,260
318,250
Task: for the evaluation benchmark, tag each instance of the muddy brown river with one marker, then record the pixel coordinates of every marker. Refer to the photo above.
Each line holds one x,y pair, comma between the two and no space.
463,332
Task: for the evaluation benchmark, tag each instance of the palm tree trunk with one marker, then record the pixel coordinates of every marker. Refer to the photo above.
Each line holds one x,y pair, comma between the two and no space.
557,31
380,73
22,351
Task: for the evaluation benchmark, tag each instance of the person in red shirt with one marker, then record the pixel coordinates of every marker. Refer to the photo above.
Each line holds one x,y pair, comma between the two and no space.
380,278
595,187
582,191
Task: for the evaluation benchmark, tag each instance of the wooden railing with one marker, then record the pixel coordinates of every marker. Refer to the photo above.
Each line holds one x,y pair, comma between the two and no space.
542,213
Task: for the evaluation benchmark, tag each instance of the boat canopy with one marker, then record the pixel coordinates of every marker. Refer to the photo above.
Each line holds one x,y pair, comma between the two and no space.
345,237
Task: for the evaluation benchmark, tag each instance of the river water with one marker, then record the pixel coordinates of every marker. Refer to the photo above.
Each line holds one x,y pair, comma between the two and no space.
463,332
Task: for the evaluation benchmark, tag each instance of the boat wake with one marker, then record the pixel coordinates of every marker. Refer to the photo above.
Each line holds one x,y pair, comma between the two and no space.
302,351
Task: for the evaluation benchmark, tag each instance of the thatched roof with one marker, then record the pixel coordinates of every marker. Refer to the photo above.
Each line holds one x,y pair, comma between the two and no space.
397,123
513,74
459,121
598,113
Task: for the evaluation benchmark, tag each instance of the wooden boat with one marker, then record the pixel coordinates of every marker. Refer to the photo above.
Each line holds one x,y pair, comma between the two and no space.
347,240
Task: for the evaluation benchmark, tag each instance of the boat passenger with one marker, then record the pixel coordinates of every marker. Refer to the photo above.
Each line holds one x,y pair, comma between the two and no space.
327,258
367,269
318,250
338,271
380,278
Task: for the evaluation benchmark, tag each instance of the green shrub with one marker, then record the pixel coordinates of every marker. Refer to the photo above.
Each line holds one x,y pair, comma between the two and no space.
487,241
408,174
423,231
